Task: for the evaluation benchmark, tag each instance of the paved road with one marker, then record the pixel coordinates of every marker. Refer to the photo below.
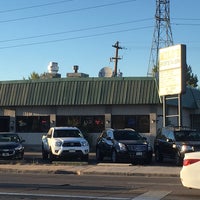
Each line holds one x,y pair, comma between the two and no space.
69,186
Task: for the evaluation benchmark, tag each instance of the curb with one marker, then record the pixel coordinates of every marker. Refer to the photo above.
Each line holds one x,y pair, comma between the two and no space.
83,172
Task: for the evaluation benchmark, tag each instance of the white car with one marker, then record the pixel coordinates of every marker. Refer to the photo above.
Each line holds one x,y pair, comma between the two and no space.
189,174
64,142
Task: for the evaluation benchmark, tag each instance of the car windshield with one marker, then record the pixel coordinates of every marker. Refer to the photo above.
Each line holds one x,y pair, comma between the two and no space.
187,135
127,135
67,133
9,138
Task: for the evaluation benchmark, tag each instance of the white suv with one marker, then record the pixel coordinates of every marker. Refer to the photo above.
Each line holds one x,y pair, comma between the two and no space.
64,142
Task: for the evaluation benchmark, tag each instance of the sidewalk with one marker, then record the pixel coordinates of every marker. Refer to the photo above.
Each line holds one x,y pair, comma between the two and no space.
81,168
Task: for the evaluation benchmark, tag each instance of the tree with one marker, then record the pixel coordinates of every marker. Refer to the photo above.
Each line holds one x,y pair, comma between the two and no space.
34,76
191,78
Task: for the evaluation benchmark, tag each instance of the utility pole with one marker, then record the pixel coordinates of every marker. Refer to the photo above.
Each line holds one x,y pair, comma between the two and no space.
116,58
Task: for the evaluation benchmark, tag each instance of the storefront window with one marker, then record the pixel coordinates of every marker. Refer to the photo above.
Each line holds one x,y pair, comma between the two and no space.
31,124
138,122
87,124
4,124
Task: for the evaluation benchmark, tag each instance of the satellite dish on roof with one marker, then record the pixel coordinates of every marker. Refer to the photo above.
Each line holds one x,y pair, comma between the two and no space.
106,72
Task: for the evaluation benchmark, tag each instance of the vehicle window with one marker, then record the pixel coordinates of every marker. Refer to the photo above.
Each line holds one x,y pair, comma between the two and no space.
67,133
187,135
194,136
162,134
171,135
127,135
9,138
165,133
110,134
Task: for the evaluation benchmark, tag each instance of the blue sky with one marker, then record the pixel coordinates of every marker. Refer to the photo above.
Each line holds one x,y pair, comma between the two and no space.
82,32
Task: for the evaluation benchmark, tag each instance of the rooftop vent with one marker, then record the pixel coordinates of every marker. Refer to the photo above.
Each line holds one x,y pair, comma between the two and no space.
76,74
53,68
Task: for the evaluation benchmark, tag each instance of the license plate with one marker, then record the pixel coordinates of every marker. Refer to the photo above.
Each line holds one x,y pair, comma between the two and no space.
72,150
138,153
5,154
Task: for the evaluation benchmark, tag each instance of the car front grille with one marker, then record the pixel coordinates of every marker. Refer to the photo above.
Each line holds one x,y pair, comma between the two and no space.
71,144
7,152
137,147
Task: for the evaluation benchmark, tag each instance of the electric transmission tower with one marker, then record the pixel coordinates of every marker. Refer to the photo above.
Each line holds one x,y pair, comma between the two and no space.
162,36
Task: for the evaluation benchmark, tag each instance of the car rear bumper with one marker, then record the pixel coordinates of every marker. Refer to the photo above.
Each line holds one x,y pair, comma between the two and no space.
189,178
134,156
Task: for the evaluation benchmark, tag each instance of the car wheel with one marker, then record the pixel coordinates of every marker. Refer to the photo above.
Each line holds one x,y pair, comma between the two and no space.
21,156
114,156
158,156
99,156
178,159
44,154
149,158
51,156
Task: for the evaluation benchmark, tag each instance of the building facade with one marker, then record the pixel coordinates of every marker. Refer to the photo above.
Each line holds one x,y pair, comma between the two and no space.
31,107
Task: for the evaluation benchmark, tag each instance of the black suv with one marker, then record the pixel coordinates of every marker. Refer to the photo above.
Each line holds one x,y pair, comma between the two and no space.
174,142
123,144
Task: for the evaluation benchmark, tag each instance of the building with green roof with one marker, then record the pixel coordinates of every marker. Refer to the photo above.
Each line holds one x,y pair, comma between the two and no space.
30,107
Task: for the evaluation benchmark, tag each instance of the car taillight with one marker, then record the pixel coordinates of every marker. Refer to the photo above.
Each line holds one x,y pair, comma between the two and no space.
187,162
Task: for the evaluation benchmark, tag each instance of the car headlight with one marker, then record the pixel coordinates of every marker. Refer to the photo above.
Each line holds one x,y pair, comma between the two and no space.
185,148
58,143
18,148
122,147
84,143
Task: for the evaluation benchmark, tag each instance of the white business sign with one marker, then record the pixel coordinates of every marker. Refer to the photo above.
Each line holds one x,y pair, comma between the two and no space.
172,64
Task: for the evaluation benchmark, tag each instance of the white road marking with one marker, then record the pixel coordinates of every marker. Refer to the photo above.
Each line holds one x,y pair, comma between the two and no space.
61,196
152,195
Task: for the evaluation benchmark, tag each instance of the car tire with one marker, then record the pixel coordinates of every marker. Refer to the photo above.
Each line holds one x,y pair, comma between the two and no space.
99,156
44,154
51,156
149,158
158,156
21,156
114,157
178,159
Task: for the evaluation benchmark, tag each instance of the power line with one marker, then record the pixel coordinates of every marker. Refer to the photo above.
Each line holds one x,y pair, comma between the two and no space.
73,38
182,24
67,11
76,30
35,6
187,19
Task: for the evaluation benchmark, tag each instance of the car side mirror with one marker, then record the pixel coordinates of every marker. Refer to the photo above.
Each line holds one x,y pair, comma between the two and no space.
44,137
